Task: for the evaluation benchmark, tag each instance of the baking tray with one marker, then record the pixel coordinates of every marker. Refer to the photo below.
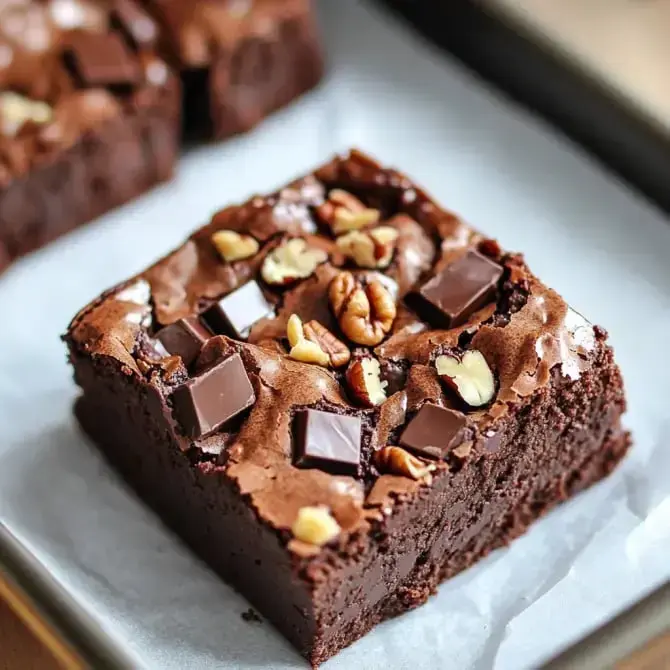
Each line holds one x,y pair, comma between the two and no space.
596,69
131,592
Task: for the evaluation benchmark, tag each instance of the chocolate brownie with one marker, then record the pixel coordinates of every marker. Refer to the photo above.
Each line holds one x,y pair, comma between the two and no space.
239,59
340,394
89,116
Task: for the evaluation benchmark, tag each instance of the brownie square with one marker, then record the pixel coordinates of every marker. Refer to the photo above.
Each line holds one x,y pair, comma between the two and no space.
404,398
240,60
89,117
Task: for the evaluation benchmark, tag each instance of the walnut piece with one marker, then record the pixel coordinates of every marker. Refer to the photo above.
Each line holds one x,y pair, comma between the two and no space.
371,249
16,109
365,313
397,461
290,261
338,352
470,377
344,212
302,349
364,379
315,525
234,247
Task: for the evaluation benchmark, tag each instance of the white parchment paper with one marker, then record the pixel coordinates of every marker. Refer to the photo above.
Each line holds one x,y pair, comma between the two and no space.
600,245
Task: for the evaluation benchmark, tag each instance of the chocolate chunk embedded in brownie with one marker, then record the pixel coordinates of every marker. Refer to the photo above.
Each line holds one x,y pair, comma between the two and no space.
399,397
89,115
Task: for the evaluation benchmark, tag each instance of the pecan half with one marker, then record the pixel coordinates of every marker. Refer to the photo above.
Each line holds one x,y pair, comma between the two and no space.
365,313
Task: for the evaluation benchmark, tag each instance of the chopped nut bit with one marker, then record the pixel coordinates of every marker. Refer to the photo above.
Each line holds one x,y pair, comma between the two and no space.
16,109
234,247
397,461
470,377
344,212
302,349
291,261
315,525
364,379
371,249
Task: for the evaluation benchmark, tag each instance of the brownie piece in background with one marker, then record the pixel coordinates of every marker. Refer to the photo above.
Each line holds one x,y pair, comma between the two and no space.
89,115
340,394
240,60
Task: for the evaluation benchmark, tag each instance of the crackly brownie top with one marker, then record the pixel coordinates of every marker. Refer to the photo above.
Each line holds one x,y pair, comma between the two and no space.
192,32
66,66
337,345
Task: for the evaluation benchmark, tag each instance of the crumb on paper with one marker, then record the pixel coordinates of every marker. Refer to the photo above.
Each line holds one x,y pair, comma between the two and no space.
251,616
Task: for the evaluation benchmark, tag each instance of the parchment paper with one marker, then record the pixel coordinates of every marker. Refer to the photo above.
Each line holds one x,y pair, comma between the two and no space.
600,245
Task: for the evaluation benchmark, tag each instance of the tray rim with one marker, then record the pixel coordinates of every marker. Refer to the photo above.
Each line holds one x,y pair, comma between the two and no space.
45,606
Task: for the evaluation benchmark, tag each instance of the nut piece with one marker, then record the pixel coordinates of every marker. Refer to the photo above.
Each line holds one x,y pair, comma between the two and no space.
315,525
291,261
365,384
344,212
234,247
337,351
470,377
397,461
365,313
16,109
302,349
372,249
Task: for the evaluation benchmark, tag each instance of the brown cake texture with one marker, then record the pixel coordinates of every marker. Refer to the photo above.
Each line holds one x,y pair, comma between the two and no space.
91,96
340,395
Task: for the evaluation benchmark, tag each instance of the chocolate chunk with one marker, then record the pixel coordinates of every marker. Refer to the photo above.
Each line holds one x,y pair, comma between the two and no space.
207,401
433,431
450,298
330,442
101,60
184,338
236,313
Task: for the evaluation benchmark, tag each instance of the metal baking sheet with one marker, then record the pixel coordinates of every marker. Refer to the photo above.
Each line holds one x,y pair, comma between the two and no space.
130,584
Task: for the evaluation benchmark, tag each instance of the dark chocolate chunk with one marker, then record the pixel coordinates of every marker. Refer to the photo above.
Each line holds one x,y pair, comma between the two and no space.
236,313
330,442
184,338
101,60
433,431
451,297
207,401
